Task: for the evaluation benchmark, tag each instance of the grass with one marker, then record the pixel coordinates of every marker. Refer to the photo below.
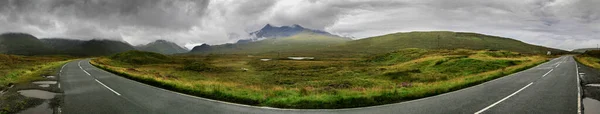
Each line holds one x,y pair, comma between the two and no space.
441,40
318,44
329,81
19,69
590,58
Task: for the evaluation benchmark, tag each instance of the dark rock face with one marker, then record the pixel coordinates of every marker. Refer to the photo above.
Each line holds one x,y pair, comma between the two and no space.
162,47
201,48
269,31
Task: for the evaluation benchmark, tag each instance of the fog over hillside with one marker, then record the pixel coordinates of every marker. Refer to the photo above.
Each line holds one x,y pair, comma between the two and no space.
564,24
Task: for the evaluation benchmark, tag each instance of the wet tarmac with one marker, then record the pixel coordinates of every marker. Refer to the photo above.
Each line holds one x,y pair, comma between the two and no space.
591,106
40,94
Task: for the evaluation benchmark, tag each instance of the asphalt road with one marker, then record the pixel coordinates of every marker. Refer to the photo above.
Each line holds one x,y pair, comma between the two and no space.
548,88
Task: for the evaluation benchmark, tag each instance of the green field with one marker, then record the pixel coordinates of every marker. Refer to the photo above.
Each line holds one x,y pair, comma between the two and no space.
331,80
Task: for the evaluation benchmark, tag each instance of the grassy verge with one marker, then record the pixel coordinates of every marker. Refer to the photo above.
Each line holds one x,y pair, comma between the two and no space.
22,70
19,69
326,82
589,58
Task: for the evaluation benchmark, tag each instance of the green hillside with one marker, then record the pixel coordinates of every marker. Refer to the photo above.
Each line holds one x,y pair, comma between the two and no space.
315,43
304,41
440,40
22,44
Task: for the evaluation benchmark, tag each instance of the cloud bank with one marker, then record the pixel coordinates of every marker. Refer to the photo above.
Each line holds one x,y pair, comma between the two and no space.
564,24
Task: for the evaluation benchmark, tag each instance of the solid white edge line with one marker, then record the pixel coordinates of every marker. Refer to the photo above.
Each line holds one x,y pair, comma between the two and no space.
578,88
63,67
60,73
108,87
79,64
547,73
497,102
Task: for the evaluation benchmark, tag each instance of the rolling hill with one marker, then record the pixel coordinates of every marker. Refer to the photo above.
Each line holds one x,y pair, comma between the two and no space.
309,41
583,50
303,41
163,47
23,44
440,40
61,45
86,48
100,48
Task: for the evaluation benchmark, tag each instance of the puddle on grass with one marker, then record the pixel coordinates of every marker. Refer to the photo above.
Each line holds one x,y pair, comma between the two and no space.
44,82
44,108
590,106
50,77
40,94
44,85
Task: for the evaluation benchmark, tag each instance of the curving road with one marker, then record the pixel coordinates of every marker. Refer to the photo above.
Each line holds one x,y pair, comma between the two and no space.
551,87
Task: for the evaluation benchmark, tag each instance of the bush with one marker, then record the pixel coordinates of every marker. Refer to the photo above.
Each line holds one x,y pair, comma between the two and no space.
140,57
199,66
593,53
502,54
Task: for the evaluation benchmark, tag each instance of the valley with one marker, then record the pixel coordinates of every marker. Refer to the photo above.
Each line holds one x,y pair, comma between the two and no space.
328,81
300,68
299,57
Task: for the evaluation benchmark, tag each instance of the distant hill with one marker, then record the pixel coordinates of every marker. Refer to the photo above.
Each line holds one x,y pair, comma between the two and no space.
273,32
204,48
303,41
309,41
441,40
23,44
163,47
582,50
100,47
86,48
26,44
62,45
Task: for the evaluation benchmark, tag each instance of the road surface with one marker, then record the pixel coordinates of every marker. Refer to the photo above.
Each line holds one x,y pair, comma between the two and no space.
548,88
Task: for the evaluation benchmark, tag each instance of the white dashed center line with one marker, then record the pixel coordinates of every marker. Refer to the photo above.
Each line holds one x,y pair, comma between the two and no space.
108,87
488,107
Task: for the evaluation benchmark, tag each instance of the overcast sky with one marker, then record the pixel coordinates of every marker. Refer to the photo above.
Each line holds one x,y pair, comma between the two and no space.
563,24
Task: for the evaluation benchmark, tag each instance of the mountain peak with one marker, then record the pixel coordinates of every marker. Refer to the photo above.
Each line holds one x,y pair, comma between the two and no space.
163,47
297,26
270,31
161,40
268,26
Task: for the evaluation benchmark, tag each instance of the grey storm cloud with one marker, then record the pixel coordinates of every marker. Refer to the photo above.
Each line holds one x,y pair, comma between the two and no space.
564,24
